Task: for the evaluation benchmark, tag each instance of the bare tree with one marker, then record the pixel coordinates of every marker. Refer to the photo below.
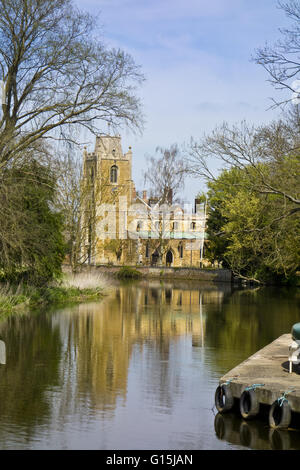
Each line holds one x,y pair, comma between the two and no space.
282,60
68,170
165,174
56,73
268,155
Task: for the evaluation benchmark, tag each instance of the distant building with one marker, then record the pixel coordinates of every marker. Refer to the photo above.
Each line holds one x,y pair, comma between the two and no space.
121,227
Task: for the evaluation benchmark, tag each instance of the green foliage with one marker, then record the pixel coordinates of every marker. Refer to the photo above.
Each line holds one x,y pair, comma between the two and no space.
31,242
126,272
14,297
201,197
252,233
115,246
61,295
221,190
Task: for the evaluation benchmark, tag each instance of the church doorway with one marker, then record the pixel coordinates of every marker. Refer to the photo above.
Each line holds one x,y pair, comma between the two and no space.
169,258
154,257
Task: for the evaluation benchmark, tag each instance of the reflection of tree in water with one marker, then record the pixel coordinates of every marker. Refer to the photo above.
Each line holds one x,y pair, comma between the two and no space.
33,350
247,321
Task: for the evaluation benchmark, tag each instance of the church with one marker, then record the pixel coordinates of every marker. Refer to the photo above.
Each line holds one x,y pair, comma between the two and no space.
121,226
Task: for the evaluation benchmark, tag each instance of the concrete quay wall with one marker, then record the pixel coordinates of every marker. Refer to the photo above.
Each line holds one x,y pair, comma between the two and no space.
269,367
211,275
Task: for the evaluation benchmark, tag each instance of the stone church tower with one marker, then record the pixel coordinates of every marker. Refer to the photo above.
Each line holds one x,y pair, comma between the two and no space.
107,176
108,164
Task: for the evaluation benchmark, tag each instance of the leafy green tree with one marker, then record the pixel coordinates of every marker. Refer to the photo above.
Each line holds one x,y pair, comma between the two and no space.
219,192
250,232
31,241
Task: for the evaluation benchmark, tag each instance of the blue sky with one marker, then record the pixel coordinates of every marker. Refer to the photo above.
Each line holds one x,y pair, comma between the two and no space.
196,56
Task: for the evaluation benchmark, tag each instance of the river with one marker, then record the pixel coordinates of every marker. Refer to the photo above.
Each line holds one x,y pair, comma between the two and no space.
139,369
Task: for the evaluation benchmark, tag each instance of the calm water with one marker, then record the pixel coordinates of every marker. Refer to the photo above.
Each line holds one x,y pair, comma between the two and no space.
139,369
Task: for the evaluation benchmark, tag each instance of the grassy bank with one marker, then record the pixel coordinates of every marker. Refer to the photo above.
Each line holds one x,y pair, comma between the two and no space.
71,289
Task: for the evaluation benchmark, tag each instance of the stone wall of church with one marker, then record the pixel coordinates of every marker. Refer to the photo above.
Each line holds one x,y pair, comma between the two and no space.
175,253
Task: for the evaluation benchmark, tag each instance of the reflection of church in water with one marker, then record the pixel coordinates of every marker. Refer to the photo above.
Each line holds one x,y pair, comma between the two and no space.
134,229
136,318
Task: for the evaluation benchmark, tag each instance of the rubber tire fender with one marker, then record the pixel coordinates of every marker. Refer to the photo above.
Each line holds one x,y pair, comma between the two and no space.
223,399
249,404
280,416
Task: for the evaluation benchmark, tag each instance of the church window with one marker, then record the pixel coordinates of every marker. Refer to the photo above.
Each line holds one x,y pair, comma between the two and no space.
180,250
114,174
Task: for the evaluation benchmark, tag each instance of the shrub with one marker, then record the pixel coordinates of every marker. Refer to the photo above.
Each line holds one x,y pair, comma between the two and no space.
128,273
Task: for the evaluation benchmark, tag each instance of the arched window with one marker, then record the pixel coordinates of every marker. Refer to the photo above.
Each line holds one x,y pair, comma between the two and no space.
114,174
147,250
180,250
92,174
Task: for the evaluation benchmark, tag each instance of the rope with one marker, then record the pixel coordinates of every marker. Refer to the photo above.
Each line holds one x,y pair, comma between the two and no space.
228,382
283,398
253,387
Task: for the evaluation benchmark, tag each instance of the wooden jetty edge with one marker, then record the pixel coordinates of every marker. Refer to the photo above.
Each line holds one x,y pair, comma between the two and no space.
269,369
